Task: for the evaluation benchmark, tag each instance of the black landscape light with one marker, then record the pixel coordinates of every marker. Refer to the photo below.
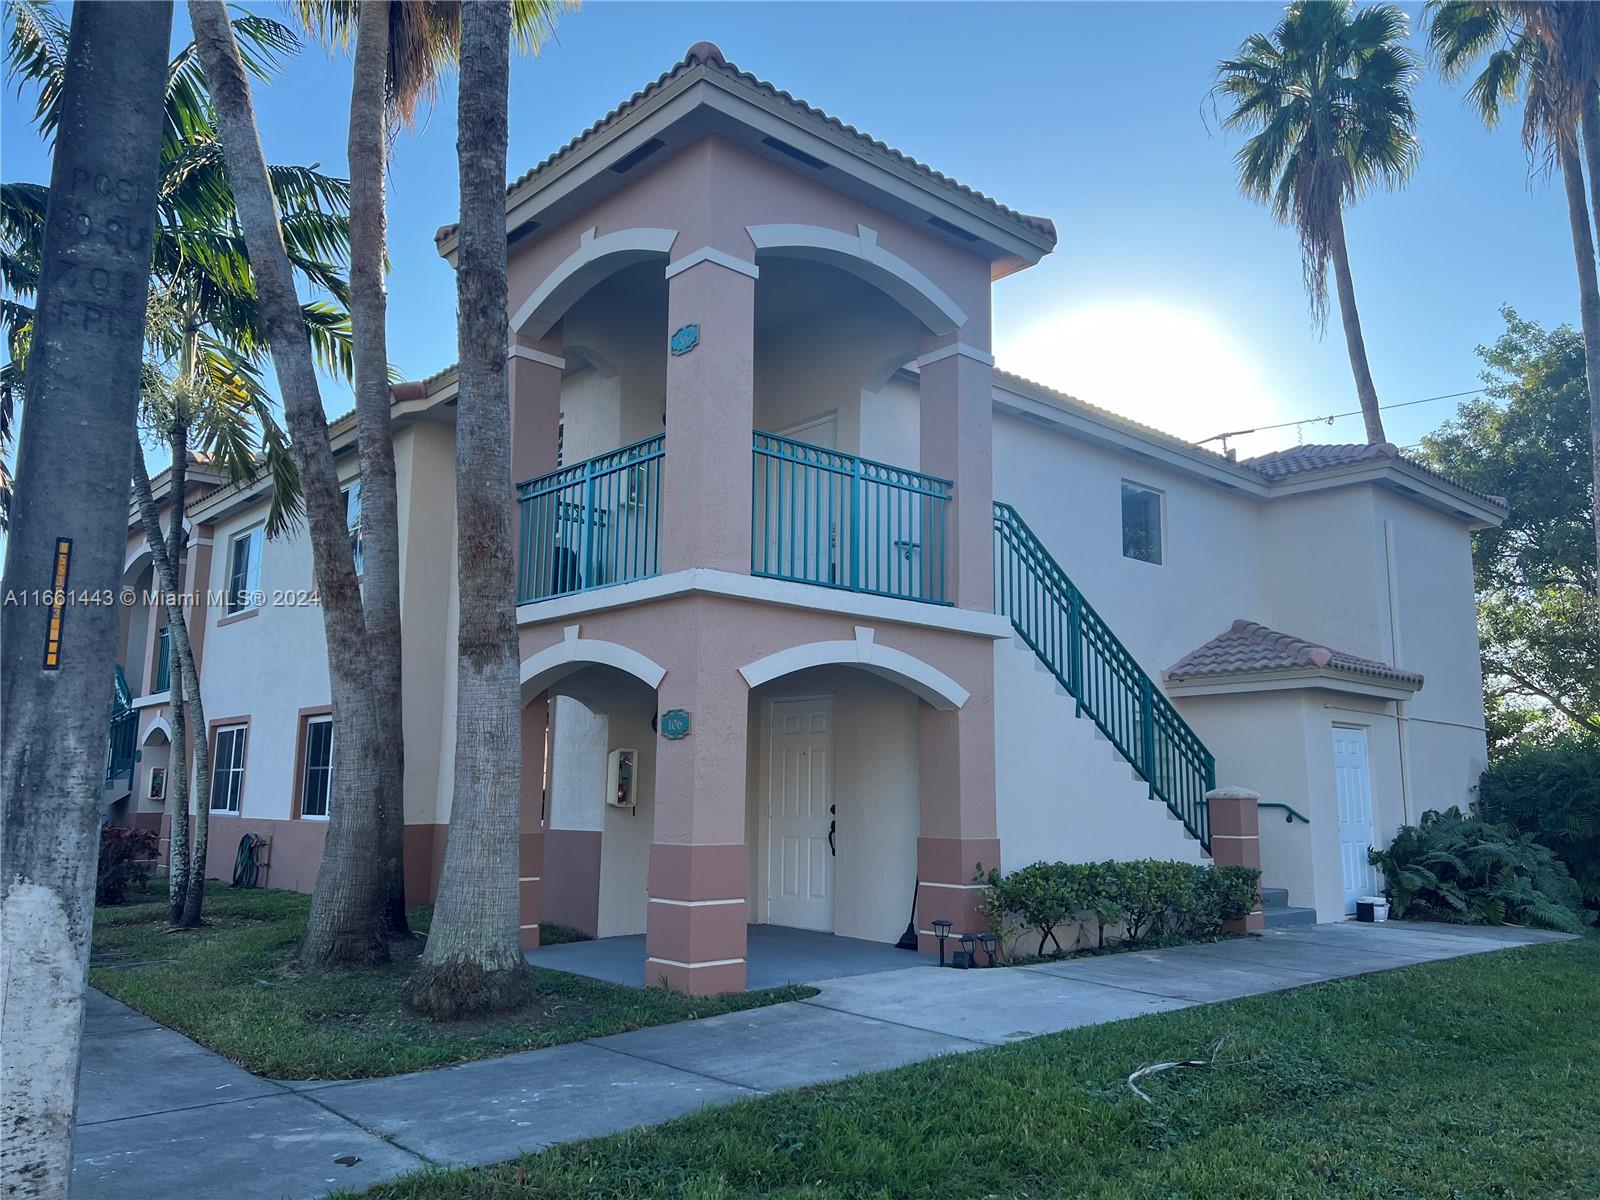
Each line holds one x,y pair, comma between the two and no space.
991,947
941,930
965,957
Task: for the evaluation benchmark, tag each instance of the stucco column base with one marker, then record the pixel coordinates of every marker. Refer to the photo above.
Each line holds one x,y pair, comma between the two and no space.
946,889
695,930
1236,842
572,878
530,885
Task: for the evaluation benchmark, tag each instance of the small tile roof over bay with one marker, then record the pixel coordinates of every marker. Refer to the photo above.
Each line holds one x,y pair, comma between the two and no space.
1248,647
709,56
1301,460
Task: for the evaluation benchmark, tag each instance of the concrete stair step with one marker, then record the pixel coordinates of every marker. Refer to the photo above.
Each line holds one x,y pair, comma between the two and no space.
1281,915
1272,897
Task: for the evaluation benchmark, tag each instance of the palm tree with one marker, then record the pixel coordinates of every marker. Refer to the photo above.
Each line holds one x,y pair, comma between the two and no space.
1328,97
204,342
401,52
473,960
344,927
1547,54
67,532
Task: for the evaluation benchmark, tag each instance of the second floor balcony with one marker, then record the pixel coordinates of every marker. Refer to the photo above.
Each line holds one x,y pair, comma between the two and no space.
817,516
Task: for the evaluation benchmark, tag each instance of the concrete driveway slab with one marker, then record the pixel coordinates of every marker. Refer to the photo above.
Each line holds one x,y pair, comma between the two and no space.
264,1149
986,1005
784,1046
157,1070
488,1111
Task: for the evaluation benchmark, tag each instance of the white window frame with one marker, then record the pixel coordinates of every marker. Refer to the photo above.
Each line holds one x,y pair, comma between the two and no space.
352,522
238,746
306,769
1161,521
251,539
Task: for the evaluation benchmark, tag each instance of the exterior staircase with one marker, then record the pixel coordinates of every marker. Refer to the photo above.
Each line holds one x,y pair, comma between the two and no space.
1279,913
1075,646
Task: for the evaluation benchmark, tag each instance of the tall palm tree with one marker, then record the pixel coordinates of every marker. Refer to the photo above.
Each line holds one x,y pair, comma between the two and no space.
204,340
67,535
1548,55
1327,96
402,50
344,926
473,960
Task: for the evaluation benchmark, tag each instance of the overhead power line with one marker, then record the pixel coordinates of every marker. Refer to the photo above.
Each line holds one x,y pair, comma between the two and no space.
1332,417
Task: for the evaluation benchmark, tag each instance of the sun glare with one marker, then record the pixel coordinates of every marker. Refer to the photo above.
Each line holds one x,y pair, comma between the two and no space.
1171,367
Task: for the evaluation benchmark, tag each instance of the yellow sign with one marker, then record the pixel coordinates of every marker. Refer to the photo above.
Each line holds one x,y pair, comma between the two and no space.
58,600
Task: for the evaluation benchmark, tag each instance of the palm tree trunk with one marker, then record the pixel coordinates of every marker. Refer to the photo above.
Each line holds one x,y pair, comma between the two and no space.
473,960
1354,342
380,529
185,681
343,926
1588,303
68,533
1591,147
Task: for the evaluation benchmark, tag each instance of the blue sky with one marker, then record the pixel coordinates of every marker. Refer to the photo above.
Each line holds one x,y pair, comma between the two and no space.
1170,298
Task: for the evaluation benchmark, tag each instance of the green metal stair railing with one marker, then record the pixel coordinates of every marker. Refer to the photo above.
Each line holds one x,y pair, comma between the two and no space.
123,732
1105,681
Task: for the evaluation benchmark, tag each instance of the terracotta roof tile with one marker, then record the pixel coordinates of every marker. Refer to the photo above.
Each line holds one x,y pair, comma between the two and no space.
1248,646
709,56
1299,460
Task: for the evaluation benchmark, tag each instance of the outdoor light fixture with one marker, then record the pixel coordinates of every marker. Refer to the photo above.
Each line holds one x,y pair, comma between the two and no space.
991,946
964,956
941,930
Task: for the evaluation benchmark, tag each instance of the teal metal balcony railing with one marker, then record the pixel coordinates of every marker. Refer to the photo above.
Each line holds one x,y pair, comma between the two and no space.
1110,688
592,524
123,733
819,516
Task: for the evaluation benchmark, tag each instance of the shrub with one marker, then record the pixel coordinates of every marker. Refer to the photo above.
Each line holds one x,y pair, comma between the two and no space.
1552,792
127,856
1147,897
1455,868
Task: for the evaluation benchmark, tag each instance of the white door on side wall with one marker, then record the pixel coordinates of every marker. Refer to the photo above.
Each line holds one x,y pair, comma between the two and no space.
800,814
1352,777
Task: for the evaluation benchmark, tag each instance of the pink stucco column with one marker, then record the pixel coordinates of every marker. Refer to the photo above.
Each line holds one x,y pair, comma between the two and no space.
958,829
699,866
705,520
530,840
534,371
1236,842
958,444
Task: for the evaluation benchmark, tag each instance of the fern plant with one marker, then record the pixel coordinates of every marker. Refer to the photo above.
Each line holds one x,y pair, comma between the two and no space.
1452,867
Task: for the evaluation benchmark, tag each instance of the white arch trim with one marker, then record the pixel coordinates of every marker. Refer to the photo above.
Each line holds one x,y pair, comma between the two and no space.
910,672
572,653
159,725
595,259
860,254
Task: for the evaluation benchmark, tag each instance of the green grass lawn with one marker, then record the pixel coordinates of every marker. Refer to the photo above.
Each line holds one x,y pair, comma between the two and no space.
1473,1078
236,987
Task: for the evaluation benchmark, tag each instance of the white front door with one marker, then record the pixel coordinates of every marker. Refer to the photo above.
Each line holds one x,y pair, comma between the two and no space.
800,814
1352,778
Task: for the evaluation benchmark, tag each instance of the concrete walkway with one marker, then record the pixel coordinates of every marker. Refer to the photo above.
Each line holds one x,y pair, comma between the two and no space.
160,1116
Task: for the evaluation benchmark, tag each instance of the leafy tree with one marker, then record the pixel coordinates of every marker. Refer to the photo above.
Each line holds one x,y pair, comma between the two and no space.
1327,98
1527,439
71,505
1553,792
1548,55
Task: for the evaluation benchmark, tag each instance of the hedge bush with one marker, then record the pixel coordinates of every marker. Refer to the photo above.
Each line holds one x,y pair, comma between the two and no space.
127,856
1451,867
1553,792
1148,898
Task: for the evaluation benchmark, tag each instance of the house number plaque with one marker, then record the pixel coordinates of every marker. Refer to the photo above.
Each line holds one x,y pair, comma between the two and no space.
684,339
675,724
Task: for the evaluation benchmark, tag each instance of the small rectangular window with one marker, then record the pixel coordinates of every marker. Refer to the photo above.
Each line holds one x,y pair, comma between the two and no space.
317,783
1141,523
352,521
227,768
163,681
244,571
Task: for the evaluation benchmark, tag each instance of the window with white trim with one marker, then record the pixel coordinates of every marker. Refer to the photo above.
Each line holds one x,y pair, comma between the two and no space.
227,767
1141,523
244,570
352,521
316,784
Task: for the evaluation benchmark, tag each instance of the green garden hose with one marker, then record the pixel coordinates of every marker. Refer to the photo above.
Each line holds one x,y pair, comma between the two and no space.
246,868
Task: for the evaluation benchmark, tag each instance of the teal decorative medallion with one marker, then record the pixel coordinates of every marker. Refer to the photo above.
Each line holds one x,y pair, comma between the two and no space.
675,724
684,339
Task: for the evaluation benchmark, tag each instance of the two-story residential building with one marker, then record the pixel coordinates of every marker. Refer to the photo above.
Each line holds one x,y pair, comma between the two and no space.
819,611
